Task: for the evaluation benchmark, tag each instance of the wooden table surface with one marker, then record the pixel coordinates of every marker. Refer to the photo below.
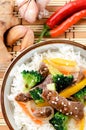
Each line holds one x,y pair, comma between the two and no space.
76,33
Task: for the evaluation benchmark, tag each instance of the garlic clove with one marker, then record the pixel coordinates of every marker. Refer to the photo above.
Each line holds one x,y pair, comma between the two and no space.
42,8
31,12
23,9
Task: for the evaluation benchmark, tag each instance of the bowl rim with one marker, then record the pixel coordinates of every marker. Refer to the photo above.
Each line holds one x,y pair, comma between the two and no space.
18,57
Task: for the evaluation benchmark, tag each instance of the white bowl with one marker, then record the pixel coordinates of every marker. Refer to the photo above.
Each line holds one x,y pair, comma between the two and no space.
7,108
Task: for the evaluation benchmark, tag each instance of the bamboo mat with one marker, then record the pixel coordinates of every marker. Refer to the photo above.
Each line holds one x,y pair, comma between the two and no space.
76,33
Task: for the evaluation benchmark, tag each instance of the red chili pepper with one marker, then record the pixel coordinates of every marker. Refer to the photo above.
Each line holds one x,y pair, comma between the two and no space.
66,24
66,11
62,14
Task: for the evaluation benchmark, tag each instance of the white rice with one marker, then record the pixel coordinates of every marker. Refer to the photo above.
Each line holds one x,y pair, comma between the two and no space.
22,121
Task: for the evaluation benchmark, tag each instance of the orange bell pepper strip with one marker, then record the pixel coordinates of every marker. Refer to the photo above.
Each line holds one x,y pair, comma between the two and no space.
84,72
28,113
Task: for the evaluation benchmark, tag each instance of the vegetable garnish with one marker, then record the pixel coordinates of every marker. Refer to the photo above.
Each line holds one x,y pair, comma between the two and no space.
66,24
28,112
53,70
36,95
31,78
62,81
61,15
73,89
61,61
61,68
45,103
59,121
81,95
84,72
82,124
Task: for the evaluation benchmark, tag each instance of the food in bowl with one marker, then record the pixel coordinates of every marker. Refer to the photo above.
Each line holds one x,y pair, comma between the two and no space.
48,91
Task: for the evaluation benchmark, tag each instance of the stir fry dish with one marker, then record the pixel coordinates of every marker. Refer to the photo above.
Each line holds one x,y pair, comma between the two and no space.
54,93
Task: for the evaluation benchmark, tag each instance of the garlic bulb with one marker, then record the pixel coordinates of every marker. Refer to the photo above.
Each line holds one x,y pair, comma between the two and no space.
31,9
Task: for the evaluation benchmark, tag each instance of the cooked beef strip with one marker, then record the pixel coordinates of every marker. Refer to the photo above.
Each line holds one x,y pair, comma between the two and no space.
43,70
43,112
48,80
22,97
74,109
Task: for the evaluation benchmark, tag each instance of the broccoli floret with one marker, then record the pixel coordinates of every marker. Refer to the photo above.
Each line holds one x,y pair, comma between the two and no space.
31,78
59,121
36,95
62,81
81,95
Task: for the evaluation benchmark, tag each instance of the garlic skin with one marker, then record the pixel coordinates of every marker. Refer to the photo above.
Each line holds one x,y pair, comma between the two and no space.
42,5
43,14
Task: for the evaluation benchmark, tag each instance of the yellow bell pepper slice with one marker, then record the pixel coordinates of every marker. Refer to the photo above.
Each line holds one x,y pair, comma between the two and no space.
43,104
63,62
63,69
73,89
82,123
53,70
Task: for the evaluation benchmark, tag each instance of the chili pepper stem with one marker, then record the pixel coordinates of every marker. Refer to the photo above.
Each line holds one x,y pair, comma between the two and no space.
43,33
47,33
